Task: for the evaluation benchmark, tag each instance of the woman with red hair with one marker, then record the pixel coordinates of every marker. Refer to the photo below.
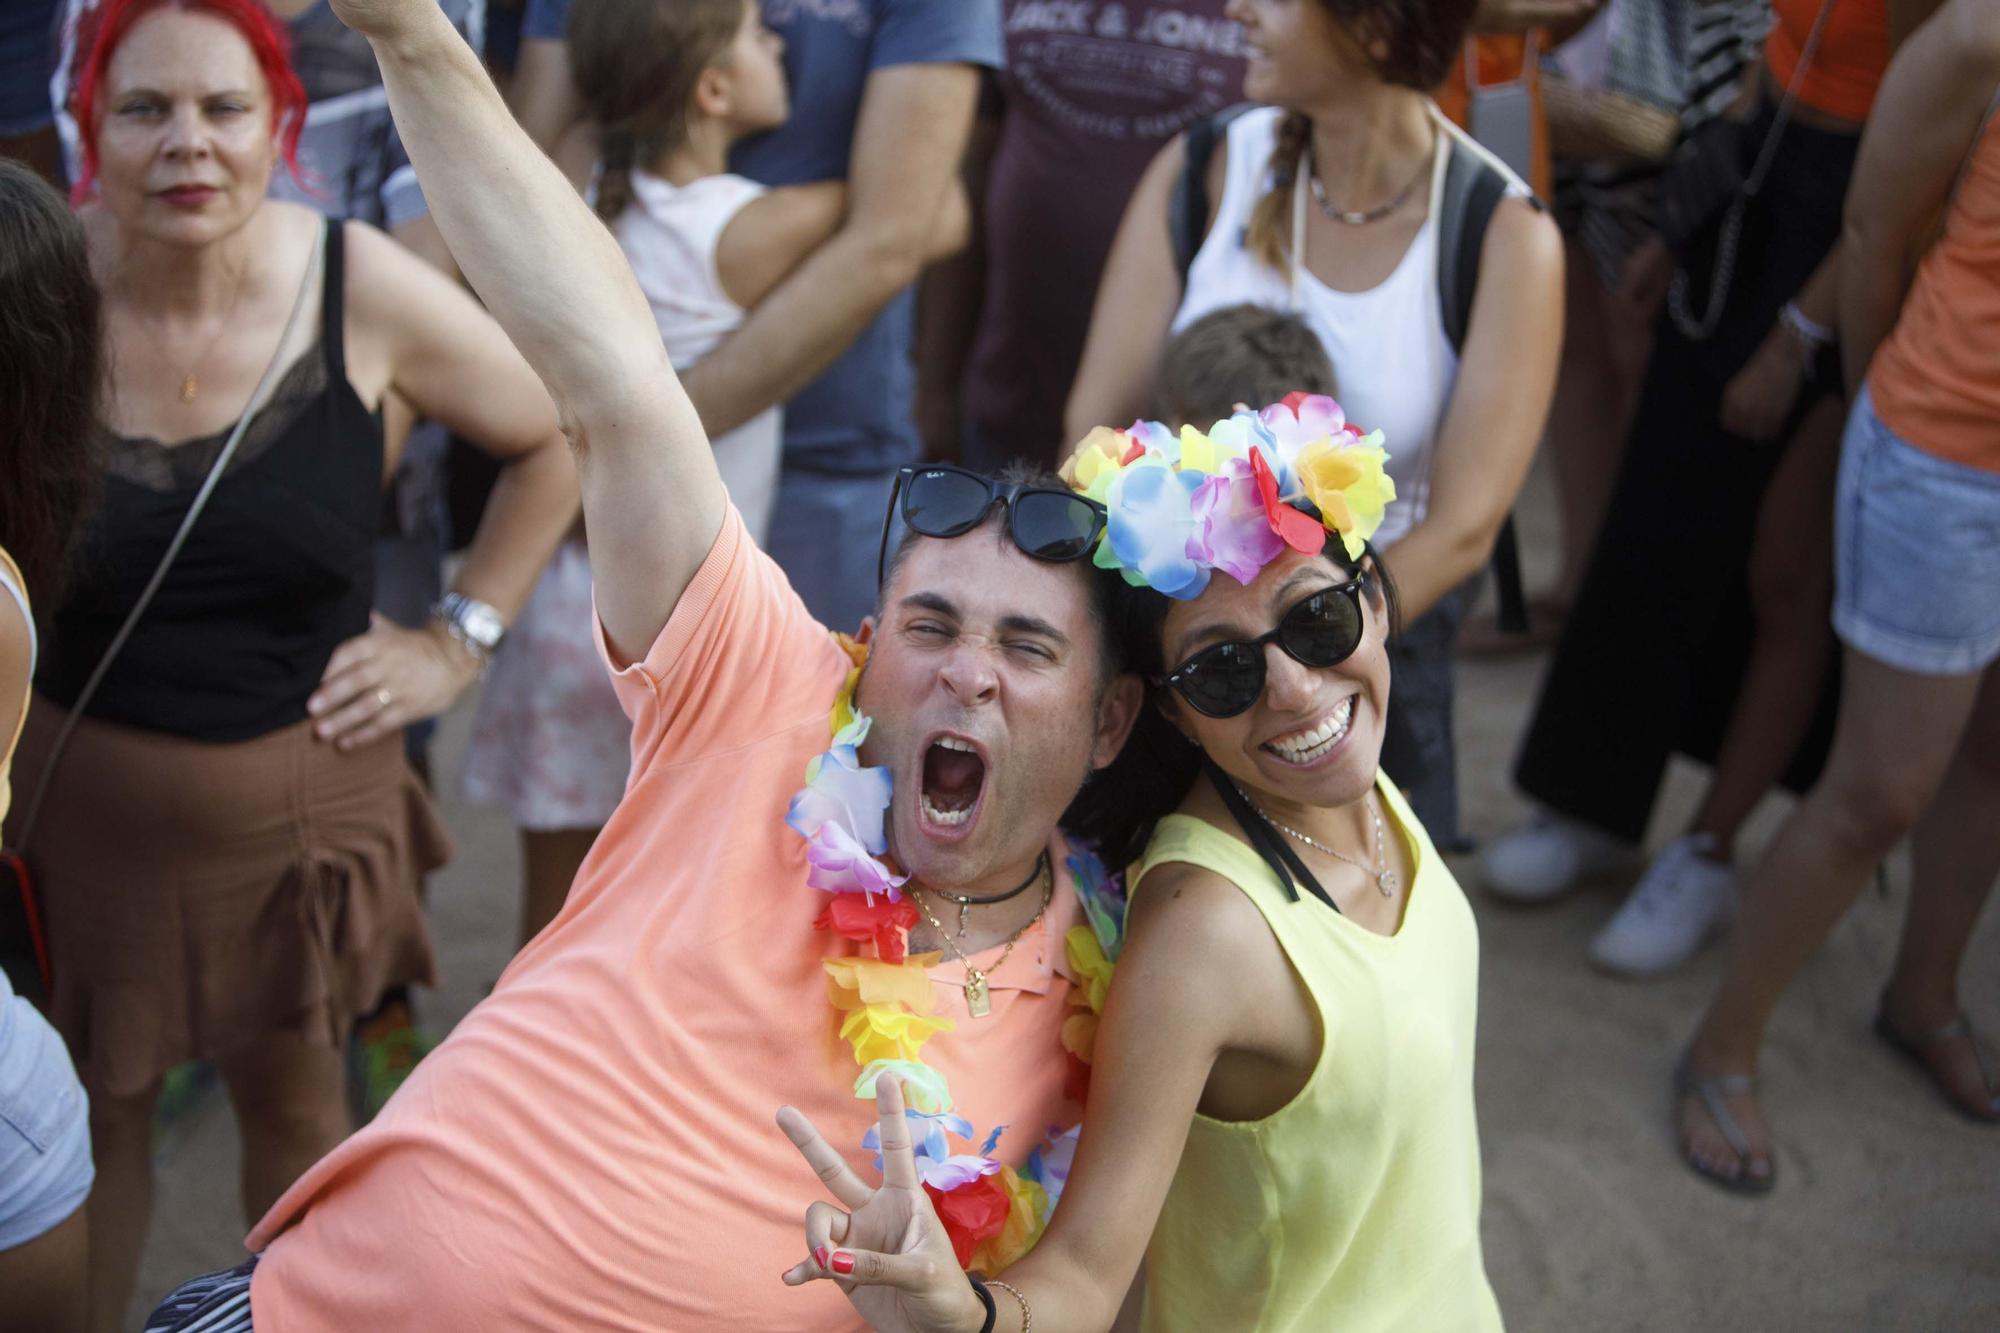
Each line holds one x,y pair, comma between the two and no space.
241,733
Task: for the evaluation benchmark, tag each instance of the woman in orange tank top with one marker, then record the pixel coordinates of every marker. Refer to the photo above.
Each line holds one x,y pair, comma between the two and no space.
1917,750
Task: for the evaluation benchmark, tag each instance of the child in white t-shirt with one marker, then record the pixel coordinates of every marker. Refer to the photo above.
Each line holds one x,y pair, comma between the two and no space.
671,85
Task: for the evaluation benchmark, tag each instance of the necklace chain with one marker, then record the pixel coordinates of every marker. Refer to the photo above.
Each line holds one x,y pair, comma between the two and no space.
978,995
1363,217
1385,879
966,903
191,382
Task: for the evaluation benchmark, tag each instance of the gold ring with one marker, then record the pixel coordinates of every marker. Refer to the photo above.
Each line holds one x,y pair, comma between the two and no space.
383,698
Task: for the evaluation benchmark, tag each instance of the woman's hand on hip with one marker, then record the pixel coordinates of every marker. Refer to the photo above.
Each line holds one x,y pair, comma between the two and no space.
381,681
887,1251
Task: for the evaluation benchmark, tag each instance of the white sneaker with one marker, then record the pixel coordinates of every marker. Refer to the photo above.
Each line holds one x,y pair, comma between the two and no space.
1546,858
1684,899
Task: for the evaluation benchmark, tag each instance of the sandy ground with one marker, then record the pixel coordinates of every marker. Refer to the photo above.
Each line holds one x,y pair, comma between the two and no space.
1887,1215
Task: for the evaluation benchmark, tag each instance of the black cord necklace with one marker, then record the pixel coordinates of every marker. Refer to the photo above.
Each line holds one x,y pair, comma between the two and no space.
966,902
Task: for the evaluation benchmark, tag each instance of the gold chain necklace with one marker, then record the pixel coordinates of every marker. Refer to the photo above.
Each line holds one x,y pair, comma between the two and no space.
190,381
978,995
1386,879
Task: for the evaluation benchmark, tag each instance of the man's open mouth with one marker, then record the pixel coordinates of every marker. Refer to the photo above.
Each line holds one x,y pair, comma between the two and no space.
953,778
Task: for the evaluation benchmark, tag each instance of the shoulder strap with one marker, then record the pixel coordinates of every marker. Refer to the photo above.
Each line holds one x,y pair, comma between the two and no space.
1472,191
332,302
1188,206
195,506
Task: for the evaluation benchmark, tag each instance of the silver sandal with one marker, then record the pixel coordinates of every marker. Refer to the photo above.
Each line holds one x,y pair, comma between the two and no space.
1711,1092
1918,1050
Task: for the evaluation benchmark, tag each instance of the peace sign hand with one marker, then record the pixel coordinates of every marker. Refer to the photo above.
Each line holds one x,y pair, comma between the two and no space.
894,1262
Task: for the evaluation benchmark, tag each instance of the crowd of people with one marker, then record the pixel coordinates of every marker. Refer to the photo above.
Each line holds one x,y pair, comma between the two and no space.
960,516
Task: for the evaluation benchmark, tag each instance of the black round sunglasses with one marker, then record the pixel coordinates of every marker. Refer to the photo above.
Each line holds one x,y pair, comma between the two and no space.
939,500
1318,630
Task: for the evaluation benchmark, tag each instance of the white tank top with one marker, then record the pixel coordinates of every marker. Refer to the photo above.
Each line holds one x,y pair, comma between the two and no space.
1394,365
670,233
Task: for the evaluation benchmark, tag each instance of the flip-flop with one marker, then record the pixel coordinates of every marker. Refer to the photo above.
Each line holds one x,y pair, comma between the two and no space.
1917,1050
1711,1091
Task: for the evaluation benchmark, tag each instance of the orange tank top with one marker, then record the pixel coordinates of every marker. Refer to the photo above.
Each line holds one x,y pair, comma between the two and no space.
1847,68
1936,378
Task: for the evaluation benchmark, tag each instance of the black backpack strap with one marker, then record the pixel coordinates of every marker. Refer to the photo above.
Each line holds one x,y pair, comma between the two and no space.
1188,208
1473,189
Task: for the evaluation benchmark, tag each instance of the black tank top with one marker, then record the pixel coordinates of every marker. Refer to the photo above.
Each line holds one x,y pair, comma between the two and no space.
277,572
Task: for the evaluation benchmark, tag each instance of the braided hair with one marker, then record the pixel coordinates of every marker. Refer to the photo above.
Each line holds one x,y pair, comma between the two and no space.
635,64
1410,44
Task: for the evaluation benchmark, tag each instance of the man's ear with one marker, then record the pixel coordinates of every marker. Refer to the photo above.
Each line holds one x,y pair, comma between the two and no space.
1116,713
866,634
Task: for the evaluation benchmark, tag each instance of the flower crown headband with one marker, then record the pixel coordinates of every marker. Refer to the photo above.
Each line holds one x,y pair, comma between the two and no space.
1234,499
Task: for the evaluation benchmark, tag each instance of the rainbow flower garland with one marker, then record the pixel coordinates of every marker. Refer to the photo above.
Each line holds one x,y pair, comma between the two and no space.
1233,499
993,1213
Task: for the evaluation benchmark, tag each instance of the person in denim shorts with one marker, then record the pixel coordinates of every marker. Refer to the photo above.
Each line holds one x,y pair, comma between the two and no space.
1916,750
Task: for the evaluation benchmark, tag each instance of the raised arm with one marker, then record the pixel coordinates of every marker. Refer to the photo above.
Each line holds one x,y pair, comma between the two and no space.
908,139
562,290
1922,125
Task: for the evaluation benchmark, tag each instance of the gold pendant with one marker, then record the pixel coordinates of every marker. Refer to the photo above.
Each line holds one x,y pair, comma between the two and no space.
978,1002
189,388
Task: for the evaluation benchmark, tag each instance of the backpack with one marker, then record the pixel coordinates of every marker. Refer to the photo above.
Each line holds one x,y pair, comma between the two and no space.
1473,188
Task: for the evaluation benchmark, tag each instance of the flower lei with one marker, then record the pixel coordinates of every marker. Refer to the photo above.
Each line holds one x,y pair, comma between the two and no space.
1233,499
993,1213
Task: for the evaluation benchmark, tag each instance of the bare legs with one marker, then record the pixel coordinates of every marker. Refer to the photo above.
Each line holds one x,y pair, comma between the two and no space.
290,1101
45,1280
549,862
1791,591
1910,752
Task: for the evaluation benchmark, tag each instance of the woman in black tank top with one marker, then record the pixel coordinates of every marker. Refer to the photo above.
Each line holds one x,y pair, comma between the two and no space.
230,845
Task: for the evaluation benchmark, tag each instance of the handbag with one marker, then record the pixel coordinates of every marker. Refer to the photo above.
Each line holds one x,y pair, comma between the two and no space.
1711,177
24,948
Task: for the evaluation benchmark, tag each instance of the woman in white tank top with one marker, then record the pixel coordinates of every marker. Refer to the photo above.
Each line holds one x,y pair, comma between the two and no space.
1322,203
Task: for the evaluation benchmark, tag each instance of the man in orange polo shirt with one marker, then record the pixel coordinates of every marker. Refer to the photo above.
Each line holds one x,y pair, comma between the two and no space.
593,1148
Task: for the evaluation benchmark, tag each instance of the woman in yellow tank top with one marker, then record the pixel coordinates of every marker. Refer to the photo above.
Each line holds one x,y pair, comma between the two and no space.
1280,1114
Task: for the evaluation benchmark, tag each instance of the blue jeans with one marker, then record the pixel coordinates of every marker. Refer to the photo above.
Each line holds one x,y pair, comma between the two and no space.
825,532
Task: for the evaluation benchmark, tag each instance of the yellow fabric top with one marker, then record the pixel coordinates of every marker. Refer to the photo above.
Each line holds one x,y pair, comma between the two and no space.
1356,1205
10,578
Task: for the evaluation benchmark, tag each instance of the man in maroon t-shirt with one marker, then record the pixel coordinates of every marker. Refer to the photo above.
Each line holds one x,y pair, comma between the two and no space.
1090,92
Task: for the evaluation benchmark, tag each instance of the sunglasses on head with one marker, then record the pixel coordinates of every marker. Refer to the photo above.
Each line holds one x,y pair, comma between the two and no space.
1319,630
939,500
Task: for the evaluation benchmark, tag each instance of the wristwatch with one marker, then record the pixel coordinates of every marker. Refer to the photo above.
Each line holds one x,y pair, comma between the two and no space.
475,624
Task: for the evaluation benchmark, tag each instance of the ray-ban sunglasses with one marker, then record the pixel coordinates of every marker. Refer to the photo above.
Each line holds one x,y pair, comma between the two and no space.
1319,630
938,500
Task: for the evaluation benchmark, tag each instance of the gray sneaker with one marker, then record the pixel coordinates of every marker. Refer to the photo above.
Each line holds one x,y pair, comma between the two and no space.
1546,858
1684,900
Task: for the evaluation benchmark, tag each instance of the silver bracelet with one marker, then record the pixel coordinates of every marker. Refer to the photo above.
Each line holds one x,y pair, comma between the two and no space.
1805,328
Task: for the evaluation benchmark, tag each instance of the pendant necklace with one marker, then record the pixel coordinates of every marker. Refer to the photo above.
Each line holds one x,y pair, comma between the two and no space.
191,382
1386,879
978,994
966,903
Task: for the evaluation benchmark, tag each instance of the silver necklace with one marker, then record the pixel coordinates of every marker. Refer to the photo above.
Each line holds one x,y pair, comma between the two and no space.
1368,215
1386,879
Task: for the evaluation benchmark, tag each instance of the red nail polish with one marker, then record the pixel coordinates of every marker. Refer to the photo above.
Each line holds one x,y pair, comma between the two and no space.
821,1255
843,1262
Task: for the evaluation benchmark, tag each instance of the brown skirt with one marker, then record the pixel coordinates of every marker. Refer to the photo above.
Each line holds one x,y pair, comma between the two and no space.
199,897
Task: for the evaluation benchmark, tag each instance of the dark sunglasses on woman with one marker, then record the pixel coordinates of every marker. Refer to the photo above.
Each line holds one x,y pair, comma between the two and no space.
938,500
1318,630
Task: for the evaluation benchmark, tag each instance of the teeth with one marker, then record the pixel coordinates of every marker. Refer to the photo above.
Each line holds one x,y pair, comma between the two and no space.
1305,746
954,743
946,818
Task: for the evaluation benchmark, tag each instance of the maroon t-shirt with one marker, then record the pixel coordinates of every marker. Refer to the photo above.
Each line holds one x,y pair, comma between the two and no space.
1091,91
